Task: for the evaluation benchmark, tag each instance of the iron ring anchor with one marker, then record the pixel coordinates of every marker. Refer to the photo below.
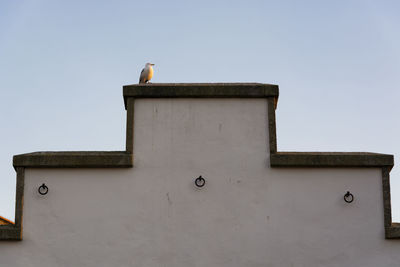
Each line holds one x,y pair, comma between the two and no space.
200,182
43,189
348,197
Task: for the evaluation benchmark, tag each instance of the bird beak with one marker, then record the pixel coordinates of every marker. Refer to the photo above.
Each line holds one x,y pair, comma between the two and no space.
152,64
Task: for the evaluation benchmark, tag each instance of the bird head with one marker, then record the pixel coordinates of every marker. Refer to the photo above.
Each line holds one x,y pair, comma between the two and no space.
149,64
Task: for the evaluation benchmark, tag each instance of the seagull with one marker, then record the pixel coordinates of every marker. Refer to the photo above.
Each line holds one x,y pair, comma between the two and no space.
147,73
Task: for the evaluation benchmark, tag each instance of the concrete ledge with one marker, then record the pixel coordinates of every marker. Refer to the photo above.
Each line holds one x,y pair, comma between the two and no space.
200,90
9,232
74,159
392,232
330,159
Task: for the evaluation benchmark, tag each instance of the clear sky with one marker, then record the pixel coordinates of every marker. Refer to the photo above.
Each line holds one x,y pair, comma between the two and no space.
63,65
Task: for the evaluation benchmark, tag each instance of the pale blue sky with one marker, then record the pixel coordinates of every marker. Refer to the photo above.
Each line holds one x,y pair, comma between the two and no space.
63,65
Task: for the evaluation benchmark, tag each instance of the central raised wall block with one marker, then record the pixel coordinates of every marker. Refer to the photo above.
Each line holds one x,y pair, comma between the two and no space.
258,207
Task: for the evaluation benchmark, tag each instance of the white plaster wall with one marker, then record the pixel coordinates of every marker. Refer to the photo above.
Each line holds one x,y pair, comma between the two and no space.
247,214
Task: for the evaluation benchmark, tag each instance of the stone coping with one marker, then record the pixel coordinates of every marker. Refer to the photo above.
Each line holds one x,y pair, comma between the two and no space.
200,90
10,232
330,159
393,231
74,159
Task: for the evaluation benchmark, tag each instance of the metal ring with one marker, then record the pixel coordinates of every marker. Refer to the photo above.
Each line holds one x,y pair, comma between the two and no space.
43,189
200,182
348,197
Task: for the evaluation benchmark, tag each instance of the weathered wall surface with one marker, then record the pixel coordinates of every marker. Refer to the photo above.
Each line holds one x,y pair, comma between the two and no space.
246,215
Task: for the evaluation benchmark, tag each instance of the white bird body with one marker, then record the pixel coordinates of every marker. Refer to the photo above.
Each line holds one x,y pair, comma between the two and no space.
147,73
